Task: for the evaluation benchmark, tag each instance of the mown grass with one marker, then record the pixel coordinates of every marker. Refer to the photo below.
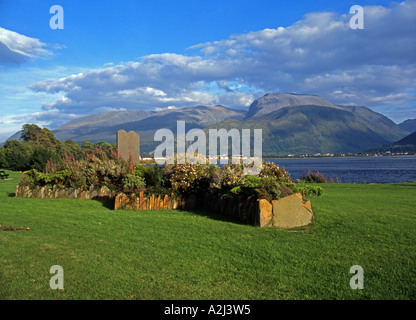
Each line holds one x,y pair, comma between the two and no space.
109,254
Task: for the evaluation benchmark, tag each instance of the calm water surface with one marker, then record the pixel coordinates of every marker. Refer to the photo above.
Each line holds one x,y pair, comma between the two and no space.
354,170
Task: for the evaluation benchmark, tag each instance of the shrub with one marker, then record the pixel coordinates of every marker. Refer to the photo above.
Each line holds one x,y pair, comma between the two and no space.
269,188
3,160
16,155
271,183
35,178
273,170
307,191
154,177
152,174
96,169
133,183
41,156
191,178
315,177
226,178
167,171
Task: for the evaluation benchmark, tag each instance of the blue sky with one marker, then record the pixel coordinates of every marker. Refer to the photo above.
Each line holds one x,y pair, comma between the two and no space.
117,55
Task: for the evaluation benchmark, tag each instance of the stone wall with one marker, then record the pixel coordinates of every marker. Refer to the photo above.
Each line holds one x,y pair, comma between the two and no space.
57,192
288,212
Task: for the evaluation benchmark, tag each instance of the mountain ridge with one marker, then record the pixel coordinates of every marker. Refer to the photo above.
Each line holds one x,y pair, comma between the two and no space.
195,117
304,130
273,101
291,124
408,140
409,125
403,146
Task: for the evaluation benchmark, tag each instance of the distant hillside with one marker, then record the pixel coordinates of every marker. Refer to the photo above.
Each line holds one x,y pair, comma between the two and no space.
83,126
378,123
405,145
408,140
291,124
16,136
310,129
275,101
194,117
408,125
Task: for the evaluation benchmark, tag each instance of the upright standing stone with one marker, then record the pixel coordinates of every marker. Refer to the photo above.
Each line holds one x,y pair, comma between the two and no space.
128,143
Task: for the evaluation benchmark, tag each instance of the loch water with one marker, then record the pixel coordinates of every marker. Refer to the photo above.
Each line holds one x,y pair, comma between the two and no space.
390,169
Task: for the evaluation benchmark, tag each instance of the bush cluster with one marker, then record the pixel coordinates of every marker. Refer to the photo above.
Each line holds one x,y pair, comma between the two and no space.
189,179
155,178
97,169
185,179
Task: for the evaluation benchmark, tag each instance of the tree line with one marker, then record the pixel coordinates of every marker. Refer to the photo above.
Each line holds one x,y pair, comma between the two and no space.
38,145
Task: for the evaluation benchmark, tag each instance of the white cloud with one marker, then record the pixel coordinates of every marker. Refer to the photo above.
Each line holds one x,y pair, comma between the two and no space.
108,109
139,91
51,118
167,108
16,48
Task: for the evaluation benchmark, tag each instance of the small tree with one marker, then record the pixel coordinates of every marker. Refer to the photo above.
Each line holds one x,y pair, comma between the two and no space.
31,132
3,162
17,155
41,156
41,137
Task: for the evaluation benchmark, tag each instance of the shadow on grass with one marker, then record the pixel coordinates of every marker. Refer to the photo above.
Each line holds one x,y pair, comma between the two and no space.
11,194
218,216
106,203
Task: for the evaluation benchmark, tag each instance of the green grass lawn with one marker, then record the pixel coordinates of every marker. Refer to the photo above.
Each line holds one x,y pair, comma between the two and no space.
109,254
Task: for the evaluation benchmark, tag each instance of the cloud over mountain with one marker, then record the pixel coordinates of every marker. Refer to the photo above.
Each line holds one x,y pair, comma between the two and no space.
318,54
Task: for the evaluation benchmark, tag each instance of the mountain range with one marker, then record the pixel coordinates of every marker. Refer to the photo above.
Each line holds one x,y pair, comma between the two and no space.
309,124
291,124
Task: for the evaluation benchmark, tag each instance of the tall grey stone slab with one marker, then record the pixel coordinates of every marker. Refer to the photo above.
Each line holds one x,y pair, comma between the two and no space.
128,143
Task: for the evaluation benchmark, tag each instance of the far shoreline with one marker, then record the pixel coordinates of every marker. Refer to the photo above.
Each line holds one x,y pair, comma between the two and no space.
338,157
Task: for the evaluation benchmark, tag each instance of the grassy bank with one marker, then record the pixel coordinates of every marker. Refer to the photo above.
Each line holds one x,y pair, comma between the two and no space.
110,254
